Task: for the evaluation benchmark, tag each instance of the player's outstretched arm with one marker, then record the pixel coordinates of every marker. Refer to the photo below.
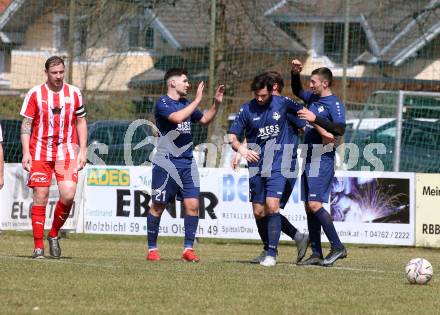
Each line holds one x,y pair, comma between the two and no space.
81,127
183,114
26,130
336,129
327,137
209,115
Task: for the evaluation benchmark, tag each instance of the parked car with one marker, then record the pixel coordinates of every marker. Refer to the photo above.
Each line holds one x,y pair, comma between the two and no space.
112,134
416,104
420,145
11,140
360,128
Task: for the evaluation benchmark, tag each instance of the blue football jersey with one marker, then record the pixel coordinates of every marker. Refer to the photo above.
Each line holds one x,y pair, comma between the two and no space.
175,140
264,123
329,107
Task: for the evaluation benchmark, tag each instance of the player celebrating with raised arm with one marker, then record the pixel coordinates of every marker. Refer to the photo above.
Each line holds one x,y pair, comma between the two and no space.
264,121
54,139
174,169
328,112
300,239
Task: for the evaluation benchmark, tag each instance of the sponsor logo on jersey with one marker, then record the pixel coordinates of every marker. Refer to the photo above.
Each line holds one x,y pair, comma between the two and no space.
184,127
256,118
268,131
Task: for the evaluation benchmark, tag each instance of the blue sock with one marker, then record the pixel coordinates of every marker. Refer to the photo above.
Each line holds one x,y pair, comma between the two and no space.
152,230
287,227
314,234
274,231
262,230
329,229
191,223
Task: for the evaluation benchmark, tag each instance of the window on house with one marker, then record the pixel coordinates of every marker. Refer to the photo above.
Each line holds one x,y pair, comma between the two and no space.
334,41
63,31
81,40
81,29
140,36
149,37
133,36
5,60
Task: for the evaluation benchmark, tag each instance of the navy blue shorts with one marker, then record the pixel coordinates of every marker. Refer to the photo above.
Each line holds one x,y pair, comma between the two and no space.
262,187
315,184
165,188
288,188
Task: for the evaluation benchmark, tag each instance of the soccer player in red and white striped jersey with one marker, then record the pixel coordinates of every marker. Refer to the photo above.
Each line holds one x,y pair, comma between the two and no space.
54,139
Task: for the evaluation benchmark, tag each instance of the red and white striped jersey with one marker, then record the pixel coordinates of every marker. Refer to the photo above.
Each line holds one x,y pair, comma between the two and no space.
54,136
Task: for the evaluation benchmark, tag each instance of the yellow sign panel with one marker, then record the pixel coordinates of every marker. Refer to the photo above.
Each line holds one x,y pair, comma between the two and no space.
428,210
108,177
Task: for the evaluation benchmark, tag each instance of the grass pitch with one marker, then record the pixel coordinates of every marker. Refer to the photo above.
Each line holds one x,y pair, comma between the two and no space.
109,274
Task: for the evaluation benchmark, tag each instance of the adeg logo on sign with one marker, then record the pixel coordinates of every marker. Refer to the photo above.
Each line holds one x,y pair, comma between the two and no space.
108,177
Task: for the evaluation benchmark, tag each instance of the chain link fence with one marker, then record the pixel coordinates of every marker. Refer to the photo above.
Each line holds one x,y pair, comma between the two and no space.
117,52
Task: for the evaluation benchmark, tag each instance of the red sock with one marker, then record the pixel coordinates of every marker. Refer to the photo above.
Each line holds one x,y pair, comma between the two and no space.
59,218
38,218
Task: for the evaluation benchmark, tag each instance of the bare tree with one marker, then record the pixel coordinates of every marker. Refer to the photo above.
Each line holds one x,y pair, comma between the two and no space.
101,33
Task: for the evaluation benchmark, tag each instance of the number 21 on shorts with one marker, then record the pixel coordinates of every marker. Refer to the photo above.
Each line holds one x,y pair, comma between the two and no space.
160,195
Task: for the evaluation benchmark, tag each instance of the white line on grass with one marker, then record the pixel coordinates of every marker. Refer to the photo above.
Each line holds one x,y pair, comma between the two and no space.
371,272
345,268
359,269
58,261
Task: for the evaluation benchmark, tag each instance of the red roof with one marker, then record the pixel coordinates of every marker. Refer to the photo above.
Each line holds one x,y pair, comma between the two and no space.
4,4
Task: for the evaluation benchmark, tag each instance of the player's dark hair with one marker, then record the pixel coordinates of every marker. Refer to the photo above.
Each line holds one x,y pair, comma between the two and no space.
325,74
262,81
53,61
174,72
277,79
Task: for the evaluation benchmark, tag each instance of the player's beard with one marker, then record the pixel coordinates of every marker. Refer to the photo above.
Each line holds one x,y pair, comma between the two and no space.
56,84
317,91
182,93
265,102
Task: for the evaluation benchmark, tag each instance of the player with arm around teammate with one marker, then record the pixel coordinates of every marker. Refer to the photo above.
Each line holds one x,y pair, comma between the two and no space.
174,168
264,121
300,239
328,112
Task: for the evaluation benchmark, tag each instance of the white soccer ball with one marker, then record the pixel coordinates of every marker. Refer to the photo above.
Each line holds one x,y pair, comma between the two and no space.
419,271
